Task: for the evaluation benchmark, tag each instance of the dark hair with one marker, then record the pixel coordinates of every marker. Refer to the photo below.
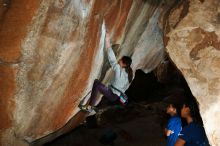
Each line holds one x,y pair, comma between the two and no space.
127,60
175,100
177,107
193,105
171,100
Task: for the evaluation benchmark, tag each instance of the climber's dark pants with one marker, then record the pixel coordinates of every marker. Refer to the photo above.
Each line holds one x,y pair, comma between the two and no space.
99,87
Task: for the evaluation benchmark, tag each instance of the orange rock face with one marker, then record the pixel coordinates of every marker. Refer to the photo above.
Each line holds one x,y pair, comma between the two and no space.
13,28
7,79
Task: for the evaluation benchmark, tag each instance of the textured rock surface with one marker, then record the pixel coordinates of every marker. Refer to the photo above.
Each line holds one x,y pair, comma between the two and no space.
52,50
194,46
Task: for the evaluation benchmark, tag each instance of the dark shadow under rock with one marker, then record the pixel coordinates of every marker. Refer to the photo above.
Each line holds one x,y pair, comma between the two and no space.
134,125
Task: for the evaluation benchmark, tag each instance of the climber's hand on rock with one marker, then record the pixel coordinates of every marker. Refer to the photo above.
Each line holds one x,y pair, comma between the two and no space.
107,40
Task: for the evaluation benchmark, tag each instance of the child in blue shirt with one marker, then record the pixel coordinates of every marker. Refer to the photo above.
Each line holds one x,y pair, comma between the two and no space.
174,125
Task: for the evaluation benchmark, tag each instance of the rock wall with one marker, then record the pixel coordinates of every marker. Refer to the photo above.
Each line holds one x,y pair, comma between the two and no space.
193,43
52,50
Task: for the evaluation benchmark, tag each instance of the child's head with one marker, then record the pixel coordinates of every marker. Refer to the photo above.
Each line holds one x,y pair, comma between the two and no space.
172,109
174,104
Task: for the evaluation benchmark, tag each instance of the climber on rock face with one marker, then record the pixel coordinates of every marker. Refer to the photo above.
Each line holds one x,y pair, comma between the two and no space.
123,76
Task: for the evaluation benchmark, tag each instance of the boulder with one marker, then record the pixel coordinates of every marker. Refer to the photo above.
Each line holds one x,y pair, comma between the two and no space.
193,44
51,52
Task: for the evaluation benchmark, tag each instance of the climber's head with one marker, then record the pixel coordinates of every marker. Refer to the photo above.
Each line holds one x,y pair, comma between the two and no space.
125,62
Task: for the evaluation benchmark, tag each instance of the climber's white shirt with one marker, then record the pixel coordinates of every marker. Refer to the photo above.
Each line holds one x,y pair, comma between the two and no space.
120,78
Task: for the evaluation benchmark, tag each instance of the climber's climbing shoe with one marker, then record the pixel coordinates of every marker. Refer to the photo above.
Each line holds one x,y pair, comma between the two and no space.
87,108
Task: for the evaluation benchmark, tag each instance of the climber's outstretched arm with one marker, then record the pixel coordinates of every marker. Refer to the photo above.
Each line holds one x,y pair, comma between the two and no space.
111,56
